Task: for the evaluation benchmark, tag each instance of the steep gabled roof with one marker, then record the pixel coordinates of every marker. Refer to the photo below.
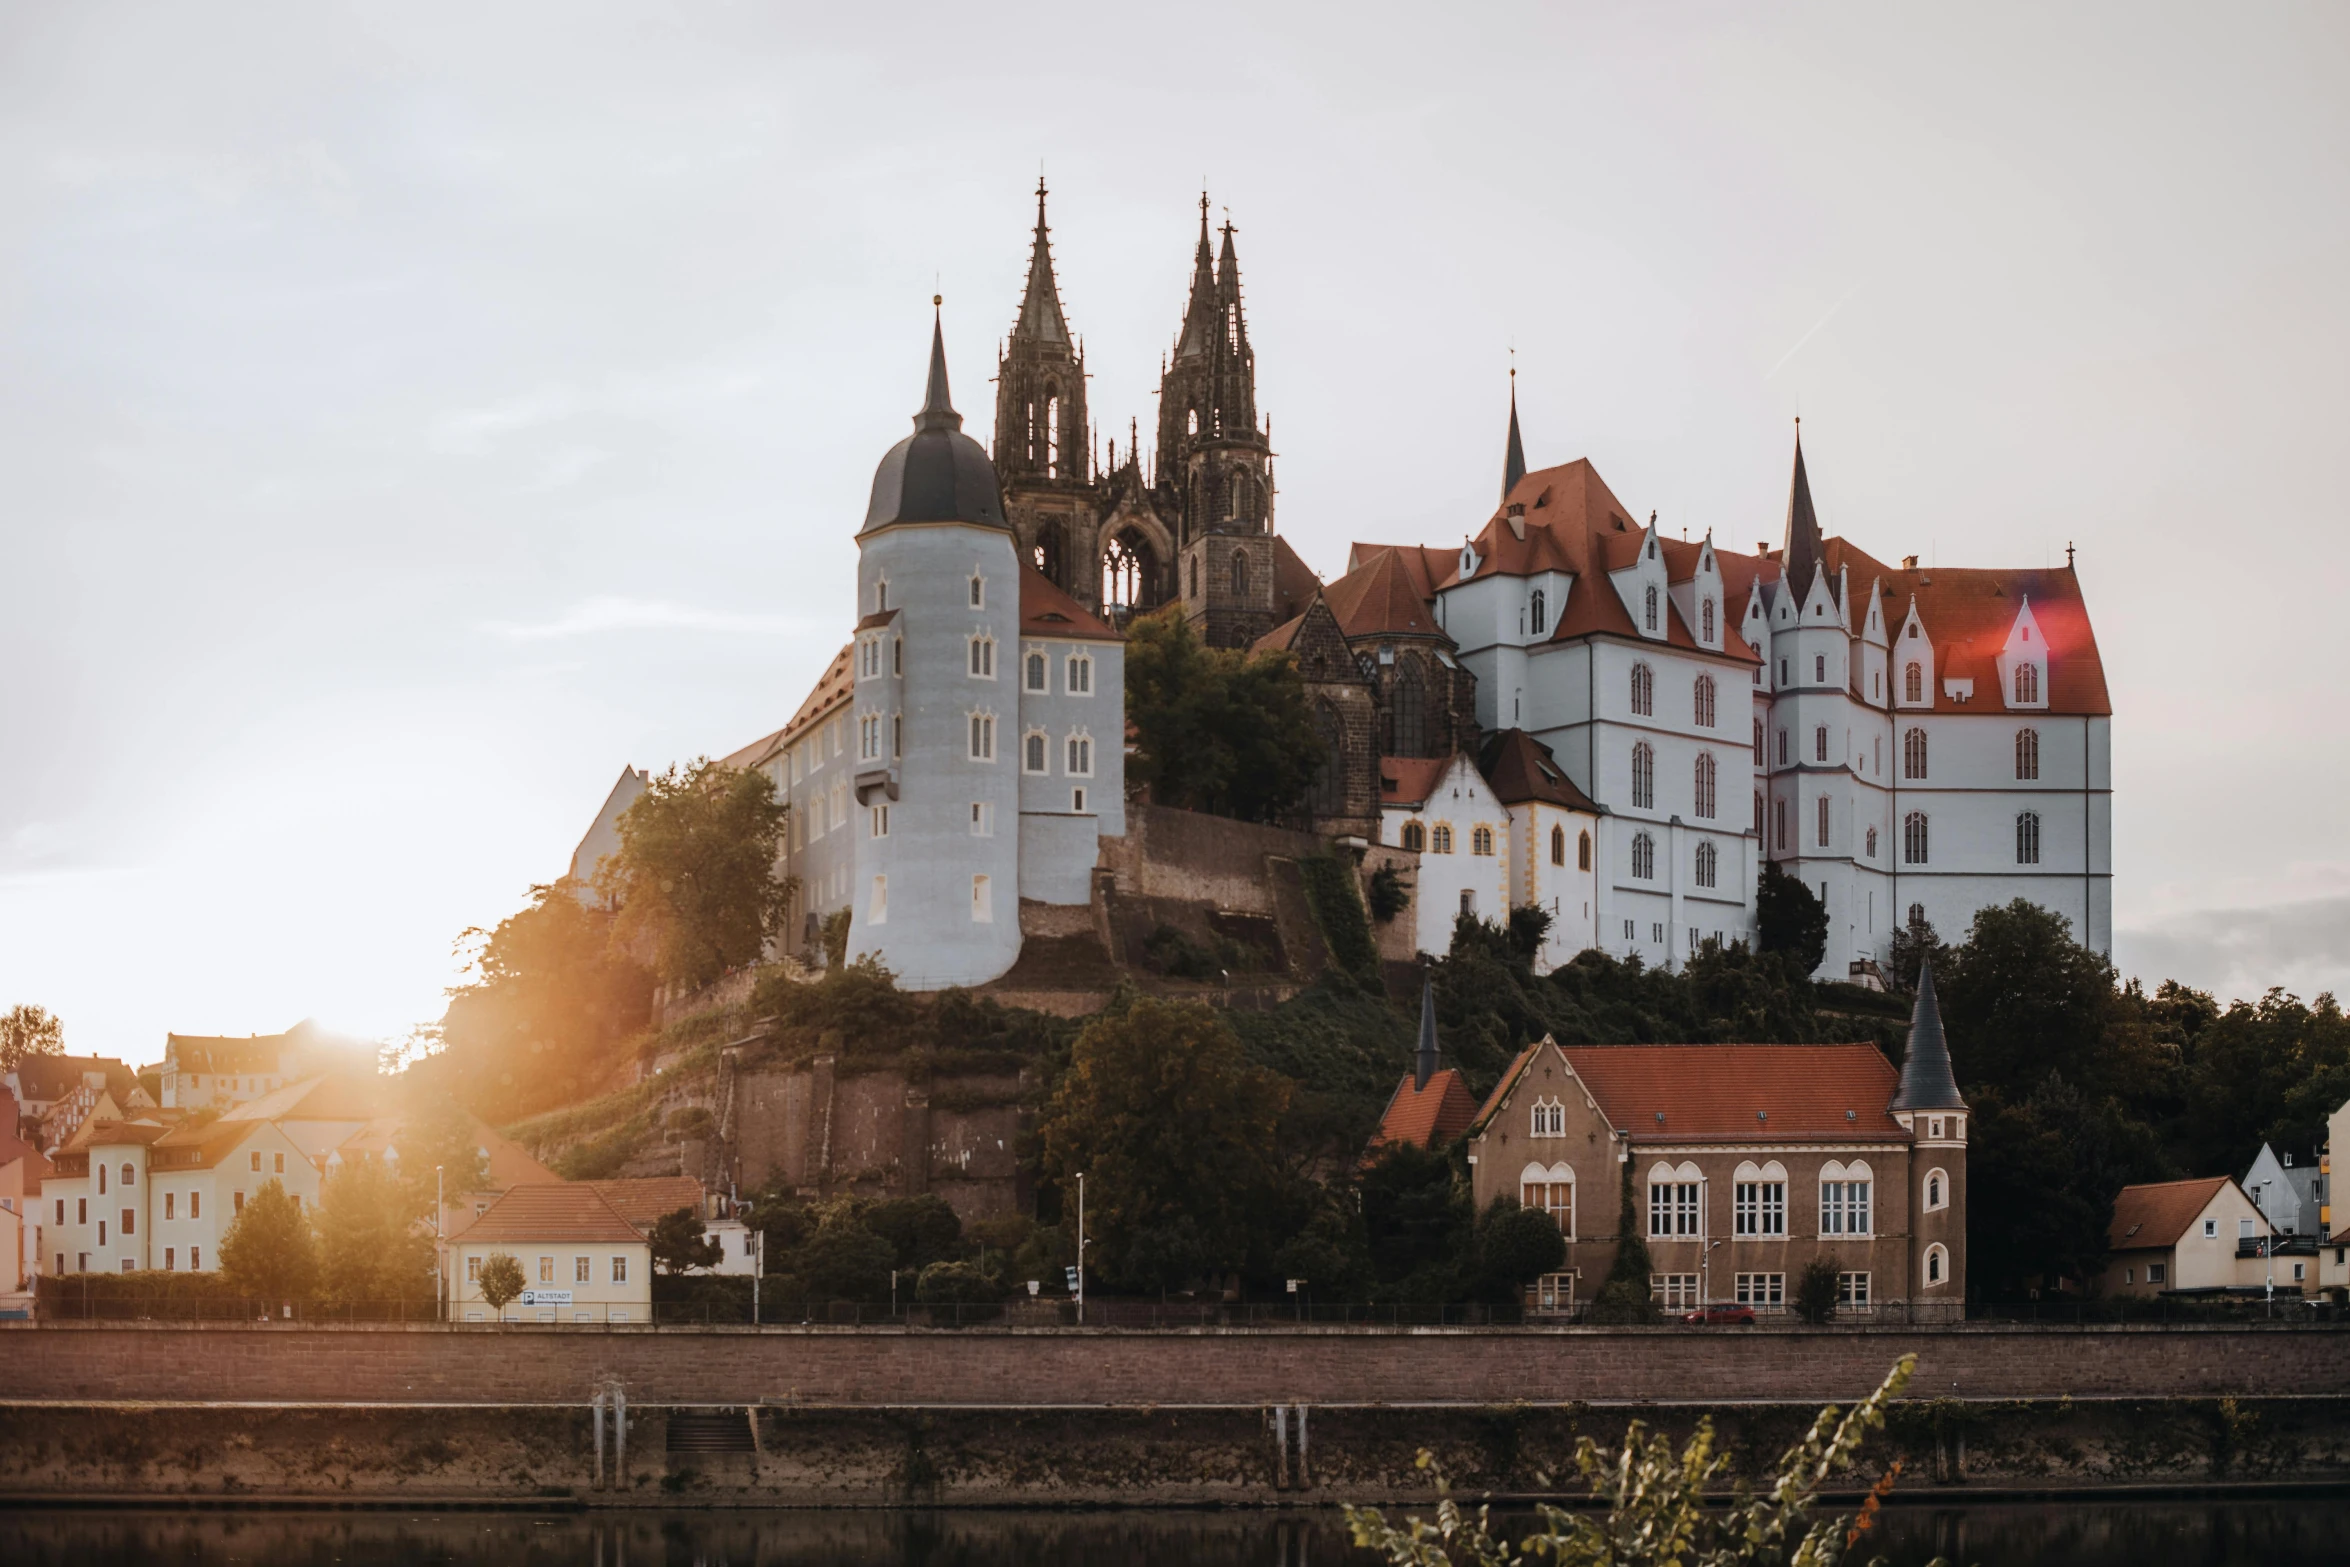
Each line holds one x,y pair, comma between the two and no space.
1294,582
53,1077
1426,1117
1046,611
2156,1215
1380,599
1712,1093
1406,782
1522,768
571,1211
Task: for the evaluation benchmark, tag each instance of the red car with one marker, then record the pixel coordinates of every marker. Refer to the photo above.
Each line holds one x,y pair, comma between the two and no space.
1721,1317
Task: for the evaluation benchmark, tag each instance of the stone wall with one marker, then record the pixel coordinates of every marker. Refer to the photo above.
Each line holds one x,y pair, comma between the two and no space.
822,1130
997,1368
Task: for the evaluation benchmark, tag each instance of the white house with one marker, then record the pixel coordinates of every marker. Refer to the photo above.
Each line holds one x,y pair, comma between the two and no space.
127,1196
1443,809
582,1263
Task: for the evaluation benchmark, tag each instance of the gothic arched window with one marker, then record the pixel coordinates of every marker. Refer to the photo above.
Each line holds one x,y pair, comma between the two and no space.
1913,754
1703,700
1583,851
1705,612
1872,853
2027,682
1052,437
1705,785
1481,839
1051,554
1129,572
1643,777
2027,754
1537,608
1440,840
1329,798
2027,838
1239,574
1415,837
1823,825
1650,616
1914,843
1643,690
1558,846
1643,857
1758,756
1708,865
1408,708
1913,682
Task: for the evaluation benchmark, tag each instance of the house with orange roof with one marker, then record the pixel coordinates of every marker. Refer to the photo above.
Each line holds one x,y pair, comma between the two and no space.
128,1196
1746,1163
1431,1105
2204,1236
582,1262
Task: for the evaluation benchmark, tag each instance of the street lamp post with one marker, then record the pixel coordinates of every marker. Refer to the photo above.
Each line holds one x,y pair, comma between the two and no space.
440,1275
1081,1248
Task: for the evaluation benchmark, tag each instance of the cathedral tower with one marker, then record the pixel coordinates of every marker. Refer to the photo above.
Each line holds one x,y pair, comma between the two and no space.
1043,442
1214,461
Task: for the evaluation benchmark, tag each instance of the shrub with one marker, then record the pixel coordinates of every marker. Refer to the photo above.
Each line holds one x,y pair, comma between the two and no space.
845,1261
1389,896
956,1282
1815,1290
920,1230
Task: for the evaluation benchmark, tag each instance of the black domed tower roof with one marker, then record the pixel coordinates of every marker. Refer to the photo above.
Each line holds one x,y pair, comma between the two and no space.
937,474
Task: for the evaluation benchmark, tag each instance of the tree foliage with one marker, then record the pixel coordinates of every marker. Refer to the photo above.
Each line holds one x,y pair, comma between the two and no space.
1816,1287
1220,730
1173,1127
1624,1295
694,879
550,999
681,1243
1516,1246
269,1253
1661,1508
1790,918
500,1280
27,1030
373,1244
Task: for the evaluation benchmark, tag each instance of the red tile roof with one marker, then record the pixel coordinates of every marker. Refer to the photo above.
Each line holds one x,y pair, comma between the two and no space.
558,1211
645,1200
1380,598
1406,781
1427,1117
1711,1093
330,1097
2156,1215
1046,611
1294,582
1521,768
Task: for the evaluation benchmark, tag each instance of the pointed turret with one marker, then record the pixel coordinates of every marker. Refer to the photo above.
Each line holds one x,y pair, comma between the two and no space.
937,474
1425,1067
1801,556
1198,336
1927,1082
1513,462
1041,320
938,409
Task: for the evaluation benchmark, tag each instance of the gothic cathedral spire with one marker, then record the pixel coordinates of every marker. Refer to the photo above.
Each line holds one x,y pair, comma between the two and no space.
1040,425
1513,462
1800,558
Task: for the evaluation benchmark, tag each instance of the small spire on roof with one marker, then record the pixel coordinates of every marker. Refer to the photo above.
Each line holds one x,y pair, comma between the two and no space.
1425,1068
938,409
1513,462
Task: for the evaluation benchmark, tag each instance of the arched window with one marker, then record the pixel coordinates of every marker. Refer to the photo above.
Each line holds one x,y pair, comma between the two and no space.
1708,865
1643,777
1036,667
1050,555
1872,840
1481,840
1549,1118
1408,709
1440,839
1819,743
2027,838
1195,577
2027,683
1643,857
1330,780
1705,615
1130,572
1536,610
1583,851
1758,756
2027,754
1913,681
1782,748
1191,423
1415,837
1643,690
1033,752
1937,1266
1937,1190
1913,839
1558,846
1650,615
1758,813
1703,701
1917,915
1779,822
1823,823
983,657
1913,754
1052,427
1705,785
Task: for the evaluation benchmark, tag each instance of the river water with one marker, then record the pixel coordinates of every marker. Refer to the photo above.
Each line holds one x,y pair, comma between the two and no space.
2301,1532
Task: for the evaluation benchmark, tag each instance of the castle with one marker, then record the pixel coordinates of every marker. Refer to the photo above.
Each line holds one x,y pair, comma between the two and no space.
1545,715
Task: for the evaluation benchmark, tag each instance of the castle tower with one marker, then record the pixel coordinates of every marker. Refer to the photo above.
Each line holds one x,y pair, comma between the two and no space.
936,869
1043,442
1215,459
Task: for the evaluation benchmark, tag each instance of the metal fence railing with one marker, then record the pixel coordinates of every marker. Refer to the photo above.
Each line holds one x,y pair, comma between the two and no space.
64,1306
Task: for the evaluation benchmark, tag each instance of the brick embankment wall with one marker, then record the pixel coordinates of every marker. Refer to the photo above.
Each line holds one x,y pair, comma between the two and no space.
1043,1369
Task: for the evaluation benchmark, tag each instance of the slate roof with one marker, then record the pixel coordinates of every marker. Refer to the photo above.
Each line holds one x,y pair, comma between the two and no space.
1927,1082
552,1211
48,1078
2156,1215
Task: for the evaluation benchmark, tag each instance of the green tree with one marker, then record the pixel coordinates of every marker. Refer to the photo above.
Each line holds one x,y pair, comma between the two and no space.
1516,1246
956,1282
269,1253
1815,1289
2267,1071
2042,1176
845,1261
441,1136
695,878
920,1230
1416,1217
1659,1508
373,1242
1216,729
1625,1296
681,1242
2022,999
29,1031
500,1281
1174,1129
1789,918
549,1000
1914,944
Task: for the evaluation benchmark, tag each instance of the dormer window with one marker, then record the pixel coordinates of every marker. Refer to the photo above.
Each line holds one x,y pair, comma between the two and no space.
2027,684
1651,609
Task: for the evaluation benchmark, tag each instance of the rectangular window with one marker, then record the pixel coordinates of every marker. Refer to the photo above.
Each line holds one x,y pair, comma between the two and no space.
2210,1228
1823,821
170,1202
195,1205
1033,753
2159,1272
1671,1290
1844,1207
2243,1229
1852,1289
581,1272
236,1203
982,819
878,816
1767,1291
1672,1208
101,1233
170,1259
255,1157
546,1270
1761,1208
281,1164
61,1217
1077,801
130,1222
473,1270
195,1259
620,1270
982,900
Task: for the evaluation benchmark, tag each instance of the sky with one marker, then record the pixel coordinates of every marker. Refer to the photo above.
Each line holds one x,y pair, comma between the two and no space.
412,414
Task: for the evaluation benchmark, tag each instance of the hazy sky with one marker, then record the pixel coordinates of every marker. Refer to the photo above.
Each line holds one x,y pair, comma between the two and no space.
410,414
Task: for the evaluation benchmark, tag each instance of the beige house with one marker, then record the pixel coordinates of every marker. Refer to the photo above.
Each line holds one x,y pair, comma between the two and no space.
132,1195
581,1261
2173,1237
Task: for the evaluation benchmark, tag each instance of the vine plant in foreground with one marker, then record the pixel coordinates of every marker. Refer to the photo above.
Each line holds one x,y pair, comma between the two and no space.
1656,1512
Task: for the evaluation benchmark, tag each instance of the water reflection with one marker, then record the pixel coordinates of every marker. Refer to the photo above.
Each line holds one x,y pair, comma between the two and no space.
2302,1532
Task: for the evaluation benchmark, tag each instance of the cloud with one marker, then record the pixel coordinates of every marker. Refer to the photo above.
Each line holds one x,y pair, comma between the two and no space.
475,430
2303,946
604,613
